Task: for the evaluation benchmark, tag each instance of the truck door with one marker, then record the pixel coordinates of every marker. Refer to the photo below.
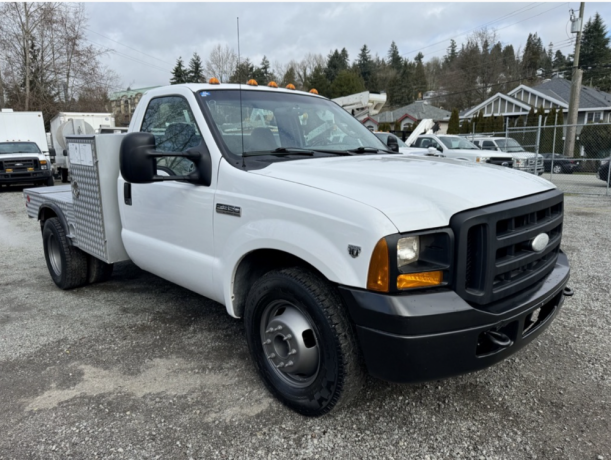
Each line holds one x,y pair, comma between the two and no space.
167,226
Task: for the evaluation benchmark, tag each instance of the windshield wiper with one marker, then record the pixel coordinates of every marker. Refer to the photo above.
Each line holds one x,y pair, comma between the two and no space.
280,151
370,150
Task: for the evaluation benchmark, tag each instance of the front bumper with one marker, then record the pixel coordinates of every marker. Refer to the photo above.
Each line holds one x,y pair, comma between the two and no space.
428,336
28,177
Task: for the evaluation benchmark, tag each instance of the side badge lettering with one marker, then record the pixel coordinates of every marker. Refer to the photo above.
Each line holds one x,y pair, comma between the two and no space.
228,209
354,251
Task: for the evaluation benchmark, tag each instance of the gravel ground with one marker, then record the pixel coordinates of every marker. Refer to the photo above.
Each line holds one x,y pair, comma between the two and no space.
138,368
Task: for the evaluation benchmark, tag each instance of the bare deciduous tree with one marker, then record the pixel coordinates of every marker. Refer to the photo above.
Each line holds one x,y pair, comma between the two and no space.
222,62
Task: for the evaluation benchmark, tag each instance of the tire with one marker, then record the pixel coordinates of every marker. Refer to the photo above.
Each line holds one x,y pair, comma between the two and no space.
98,271
64,175
316,339
558,169
67,264
50,182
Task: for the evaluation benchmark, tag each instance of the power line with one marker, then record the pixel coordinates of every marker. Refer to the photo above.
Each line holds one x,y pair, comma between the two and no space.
127,56
126,46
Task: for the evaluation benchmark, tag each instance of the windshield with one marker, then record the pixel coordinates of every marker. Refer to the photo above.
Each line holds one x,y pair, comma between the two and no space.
509,145
264,121
18,147
457,143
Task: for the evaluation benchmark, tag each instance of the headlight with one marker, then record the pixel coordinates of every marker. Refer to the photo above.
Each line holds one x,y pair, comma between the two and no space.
604,162
519,162
422,260
44,167
482,159
408,250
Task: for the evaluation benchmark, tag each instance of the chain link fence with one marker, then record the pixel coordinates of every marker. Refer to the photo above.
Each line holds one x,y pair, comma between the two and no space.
585,172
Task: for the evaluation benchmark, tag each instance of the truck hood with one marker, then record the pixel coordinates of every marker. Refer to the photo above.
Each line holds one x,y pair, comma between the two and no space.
415,193
6,156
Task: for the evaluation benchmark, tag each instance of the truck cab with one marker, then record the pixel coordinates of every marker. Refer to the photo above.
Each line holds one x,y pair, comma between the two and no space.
459,148
523,160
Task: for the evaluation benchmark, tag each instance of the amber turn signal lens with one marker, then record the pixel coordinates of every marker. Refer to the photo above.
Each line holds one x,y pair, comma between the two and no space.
272,84
290,86
415,280
252,82
314,91
377,278
214,81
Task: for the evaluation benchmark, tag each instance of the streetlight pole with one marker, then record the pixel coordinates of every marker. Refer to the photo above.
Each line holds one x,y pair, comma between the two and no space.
569,145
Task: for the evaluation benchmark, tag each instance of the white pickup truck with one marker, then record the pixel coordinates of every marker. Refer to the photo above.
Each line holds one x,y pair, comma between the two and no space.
340,256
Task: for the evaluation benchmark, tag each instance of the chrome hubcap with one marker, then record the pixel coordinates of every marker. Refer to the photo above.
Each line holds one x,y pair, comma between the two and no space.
54,254
290,343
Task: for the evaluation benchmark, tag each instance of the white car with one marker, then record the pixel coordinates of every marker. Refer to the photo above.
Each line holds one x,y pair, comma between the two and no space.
459,148
523,160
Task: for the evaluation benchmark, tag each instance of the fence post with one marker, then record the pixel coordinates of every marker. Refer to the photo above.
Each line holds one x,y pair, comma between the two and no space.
554,139
608,176
537,144
506,127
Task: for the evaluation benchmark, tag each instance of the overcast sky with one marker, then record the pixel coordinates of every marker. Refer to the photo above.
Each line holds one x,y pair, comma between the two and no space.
147,38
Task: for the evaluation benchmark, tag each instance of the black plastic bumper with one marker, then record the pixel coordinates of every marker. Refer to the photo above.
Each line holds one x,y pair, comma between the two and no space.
432,335
25,177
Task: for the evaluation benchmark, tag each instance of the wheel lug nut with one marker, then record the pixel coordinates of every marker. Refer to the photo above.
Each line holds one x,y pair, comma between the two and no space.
267,342
289,364
287,337
270,330
280,365
292,352
272,356
279,328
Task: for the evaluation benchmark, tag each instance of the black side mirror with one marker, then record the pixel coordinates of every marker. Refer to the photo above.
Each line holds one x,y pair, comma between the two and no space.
392,144
65,153
138,161
51,152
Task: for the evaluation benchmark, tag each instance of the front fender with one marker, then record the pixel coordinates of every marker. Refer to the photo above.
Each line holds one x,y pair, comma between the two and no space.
320,249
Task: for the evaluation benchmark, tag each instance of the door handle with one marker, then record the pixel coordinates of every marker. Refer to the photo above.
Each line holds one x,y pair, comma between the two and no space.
127,193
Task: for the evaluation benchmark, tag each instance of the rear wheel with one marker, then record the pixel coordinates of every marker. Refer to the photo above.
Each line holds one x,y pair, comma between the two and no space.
558,169
302,341
64,175
50,182
98,271
67,264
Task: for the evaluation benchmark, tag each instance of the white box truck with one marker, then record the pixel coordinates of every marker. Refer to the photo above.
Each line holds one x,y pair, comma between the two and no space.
67,123
340,255
25,156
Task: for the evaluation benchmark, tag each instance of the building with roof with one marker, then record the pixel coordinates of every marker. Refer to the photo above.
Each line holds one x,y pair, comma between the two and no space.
123,103
410,114
594,105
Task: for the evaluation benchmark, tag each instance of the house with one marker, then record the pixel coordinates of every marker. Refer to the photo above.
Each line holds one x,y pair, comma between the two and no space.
594,105
123,103
409,115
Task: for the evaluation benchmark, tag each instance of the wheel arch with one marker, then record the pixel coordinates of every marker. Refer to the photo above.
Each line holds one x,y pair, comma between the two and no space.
254,265
50,210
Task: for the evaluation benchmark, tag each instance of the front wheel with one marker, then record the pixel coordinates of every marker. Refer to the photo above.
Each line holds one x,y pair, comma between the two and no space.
302,342
50,182
558,169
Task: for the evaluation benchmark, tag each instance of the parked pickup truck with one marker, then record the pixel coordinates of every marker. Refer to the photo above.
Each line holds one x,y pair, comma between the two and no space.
340,256
25,156
459,148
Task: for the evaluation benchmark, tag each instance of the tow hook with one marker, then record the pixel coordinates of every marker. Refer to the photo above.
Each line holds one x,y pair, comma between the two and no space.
499,339
567,291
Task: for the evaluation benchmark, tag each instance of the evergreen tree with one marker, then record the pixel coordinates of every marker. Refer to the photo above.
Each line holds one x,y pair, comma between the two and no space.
318,81
465,126
454,123
533,57
195,73
531,119
559,63
394,58
179,73
401,91
336,62
366,67
290,76
347,82
452,53
420,85
595,53
262,74
243,72
479,122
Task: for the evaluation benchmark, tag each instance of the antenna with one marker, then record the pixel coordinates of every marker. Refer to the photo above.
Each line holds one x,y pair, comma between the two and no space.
240,91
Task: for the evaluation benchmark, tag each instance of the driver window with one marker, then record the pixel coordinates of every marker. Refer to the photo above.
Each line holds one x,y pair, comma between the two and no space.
172,123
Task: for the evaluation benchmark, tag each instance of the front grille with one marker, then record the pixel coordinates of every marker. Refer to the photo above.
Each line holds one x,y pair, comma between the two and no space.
501,162
20,165
494,257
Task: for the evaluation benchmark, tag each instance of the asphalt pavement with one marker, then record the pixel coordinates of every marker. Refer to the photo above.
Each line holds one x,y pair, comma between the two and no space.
138,368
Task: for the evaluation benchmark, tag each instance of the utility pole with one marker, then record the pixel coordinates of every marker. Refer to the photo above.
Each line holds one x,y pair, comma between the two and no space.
569,144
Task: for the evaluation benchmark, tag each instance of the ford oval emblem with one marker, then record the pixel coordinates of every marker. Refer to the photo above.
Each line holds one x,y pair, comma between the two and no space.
540,242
